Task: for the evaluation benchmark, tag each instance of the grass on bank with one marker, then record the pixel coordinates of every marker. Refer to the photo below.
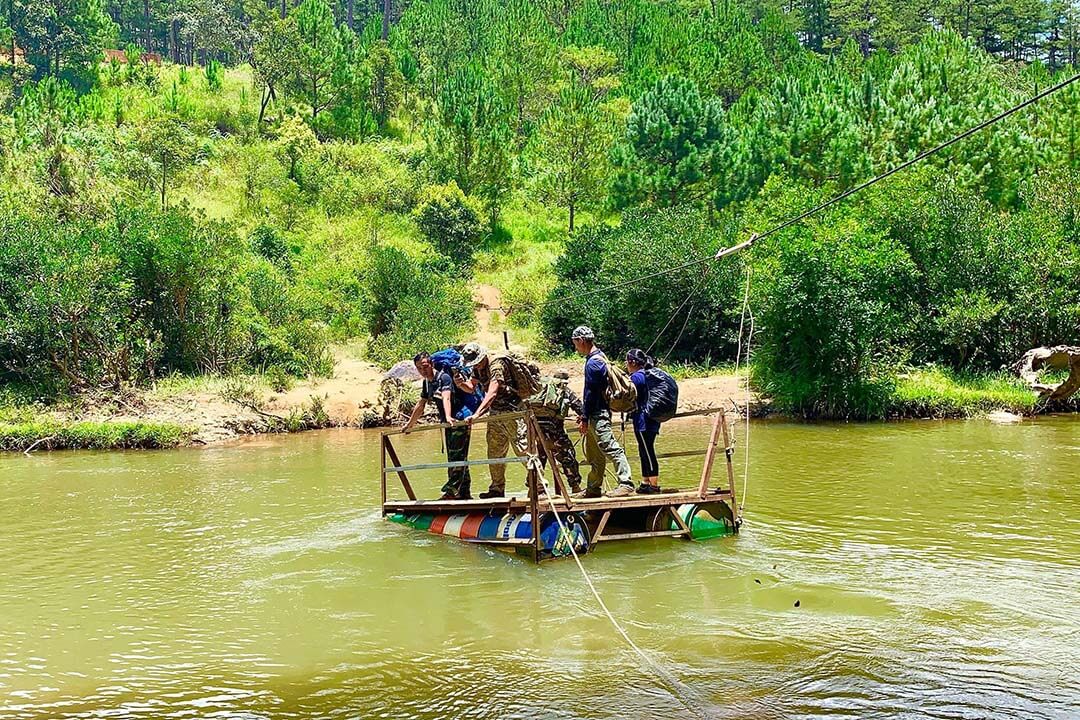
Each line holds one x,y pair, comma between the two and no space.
54,435
935,392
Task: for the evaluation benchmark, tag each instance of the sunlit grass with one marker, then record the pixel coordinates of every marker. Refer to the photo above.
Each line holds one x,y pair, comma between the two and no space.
55,435
936,392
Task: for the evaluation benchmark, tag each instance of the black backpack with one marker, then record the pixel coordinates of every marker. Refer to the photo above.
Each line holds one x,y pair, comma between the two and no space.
663,400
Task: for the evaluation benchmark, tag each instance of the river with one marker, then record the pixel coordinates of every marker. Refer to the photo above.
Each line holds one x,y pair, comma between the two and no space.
917,569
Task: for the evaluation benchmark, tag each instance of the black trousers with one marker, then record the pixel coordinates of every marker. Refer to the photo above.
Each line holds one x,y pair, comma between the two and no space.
458,481
650,466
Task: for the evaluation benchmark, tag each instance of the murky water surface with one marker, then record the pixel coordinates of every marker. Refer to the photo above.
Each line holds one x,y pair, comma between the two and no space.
936,567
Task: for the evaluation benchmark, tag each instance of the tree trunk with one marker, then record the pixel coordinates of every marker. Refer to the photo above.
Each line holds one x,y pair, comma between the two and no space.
386,19
571,216
146,26
164,165
350,14
11,25
267,93
283,11
1059,357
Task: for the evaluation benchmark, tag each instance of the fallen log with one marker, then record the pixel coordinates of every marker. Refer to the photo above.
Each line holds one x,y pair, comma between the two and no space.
1036,361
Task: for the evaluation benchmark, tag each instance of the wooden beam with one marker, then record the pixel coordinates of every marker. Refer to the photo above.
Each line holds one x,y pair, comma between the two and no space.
382,475
440,426
401,475
456,464
710,455
635,535
521,502
556,474
600,528
680,522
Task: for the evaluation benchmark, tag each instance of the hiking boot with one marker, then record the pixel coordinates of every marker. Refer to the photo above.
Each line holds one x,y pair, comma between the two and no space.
449,496
488,494
647,489
575,488
588,493
620,490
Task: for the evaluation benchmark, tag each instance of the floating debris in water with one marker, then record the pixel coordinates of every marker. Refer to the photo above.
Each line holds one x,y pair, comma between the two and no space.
797,603
757,581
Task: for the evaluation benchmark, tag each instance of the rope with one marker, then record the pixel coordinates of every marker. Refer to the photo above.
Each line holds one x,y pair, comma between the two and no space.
666,679
746,383
671,319
828,203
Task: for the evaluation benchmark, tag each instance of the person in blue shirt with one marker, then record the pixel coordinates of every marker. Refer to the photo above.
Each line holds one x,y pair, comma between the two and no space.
449,399
645,428
595,421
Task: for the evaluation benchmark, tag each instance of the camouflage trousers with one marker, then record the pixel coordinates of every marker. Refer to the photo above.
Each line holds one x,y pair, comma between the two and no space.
562,448
501,434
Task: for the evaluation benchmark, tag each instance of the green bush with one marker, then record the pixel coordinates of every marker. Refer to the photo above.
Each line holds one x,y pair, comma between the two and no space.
834,314
411,306
651,311
52,435
450,221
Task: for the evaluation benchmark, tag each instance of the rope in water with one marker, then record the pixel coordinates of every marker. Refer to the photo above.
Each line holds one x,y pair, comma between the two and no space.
828,203
669,682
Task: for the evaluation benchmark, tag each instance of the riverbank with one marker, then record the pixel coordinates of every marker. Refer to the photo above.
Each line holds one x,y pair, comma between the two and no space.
206,410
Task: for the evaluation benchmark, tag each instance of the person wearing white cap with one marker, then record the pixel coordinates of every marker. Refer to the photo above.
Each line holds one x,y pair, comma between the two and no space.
595,421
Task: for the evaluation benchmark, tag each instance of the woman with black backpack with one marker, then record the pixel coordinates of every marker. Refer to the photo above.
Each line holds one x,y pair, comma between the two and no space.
657,396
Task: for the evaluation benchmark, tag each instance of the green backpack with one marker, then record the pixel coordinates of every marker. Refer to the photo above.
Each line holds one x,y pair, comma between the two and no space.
621,393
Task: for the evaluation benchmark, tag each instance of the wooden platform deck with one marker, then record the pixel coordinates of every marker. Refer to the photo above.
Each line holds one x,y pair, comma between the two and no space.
523,503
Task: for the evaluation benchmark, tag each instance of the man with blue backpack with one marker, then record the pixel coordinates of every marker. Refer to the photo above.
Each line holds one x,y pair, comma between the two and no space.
452,399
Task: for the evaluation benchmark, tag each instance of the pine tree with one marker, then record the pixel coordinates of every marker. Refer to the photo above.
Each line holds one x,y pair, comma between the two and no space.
573,143
62,37
319,56
672,137
469,139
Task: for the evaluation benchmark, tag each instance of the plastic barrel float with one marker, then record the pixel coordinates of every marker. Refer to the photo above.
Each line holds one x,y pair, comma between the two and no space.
508,530
705,520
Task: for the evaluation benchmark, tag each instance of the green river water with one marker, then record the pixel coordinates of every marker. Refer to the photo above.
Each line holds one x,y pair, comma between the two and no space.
936,567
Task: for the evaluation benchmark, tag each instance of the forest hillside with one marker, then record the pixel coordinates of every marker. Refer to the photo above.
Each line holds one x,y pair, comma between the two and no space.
198,188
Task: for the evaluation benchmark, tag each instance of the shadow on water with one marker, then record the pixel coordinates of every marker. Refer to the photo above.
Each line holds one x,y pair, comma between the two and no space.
896,570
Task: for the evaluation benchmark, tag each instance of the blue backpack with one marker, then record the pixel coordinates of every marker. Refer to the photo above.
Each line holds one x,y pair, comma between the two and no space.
663,400
448,359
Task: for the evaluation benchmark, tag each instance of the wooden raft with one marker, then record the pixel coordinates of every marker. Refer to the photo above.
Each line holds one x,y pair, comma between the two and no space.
603,515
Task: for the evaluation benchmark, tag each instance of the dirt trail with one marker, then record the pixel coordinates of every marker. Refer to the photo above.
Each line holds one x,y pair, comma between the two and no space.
353,388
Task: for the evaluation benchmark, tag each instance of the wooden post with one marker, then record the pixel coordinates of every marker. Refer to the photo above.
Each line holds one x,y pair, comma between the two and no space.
556,475
397,463
534,489
382,468
710,454
728,450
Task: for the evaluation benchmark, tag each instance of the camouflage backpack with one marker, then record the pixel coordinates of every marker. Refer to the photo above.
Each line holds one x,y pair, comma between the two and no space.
524,375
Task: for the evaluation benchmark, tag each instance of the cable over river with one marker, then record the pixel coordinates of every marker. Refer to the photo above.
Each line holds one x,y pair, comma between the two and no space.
916,569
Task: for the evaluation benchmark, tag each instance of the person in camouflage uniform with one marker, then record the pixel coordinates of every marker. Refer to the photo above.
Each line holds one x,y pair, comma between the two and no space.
551,406
505,390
